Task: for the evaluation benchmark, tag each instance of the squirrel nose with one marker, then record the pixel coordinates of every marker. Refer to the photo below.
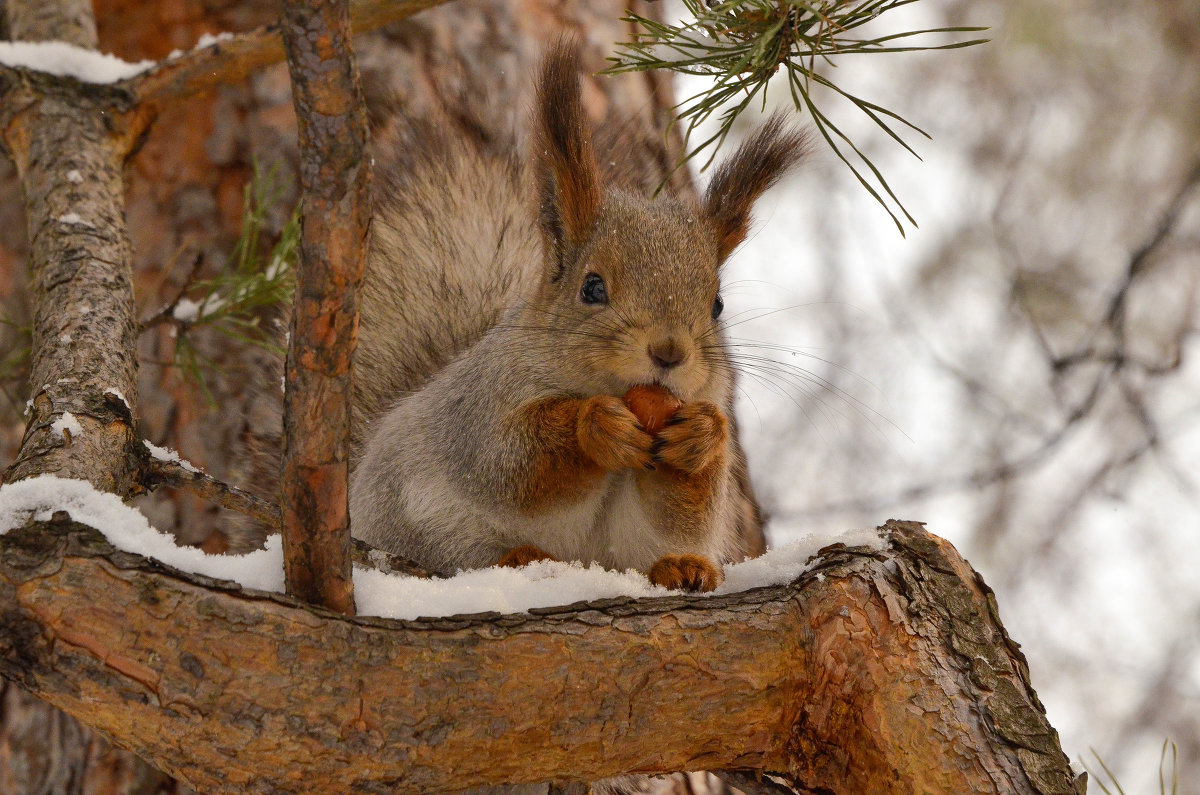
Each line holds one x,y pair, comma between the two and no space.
666,354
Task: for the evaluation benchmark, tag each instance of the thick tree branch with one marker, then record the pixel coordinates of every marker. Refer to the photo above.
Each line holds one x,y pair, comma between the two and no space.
875,672
70,155
71,21
335,176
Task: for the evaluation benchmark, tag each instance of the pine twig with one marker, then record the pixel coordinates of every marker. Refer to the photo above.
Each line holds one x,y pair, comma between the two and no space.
157,472
742,44
167,313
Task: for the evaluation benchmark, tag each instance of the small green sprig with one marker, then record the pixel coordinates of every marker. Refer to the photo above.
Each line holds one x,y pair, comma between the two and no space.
743,43
256,278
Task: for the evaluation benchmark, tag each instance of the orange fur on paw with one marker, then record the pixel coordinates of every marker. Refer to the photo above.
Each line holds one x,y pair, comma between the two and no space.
686,573
653,405
523,556
694,438
610,435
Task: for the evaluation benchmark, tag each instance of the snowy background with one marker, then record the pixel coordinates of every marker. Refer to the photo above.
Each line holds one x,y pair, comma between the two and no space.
973,375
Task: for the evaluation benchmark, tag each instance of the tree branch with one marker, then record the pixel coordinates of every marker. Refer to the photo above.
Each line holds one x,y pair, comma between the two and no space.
234,59
881,672
71,21
335,211
170,473
82,362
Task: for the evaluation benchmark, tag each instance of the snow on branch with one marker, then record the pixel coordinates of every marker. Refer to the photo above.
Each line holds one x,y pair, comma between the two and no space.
882,669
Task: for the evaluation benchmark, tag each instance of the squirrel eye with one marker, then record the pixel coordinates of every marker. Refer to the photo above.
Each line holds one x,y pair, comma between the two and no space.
718,305
594,291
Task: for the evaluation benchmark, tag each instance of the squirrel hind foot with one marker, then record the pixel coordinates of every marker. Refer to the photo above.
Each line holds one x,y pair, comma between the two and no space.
523,556
686,573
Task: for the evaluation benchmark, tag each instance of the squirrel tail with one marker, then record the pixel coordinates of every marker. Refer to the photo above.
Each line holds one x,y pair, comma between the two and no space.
453,244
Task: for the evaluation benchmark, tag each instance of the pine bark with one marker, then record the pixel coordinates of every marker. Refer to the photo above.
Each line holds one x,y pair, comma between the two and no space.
881,672
335,210
83,356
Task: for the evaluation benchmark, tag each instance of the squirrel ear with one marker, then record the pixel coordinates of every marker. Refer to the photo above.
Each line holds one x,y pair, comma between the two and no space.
568,179
761,161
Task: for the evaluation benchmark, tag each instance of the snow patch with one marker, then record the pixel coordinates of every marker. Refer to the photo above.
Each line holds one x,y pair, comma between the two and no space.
66,422
501,590
70,218
126,529
208,39
67,60
167,454
117,394
548,583
186,310
74,177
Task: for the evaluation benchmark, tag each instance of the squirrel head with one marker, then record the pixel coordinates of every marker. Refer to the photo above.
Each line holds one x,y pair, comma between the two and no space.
632,283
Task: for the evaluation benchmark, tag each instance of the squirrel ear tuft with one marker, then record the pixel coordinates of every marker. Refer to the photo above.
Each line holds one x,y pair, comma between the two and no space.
761,161
567,175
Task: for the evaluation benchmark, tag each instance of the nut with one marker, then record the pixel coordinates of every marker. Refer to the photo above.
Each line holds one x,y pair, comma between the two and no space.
653,405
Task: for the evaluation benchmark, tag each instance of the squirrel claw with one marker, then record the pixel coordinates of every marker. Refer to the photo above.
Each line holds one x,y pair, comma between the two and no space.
611,435
523,556
686,573
696,437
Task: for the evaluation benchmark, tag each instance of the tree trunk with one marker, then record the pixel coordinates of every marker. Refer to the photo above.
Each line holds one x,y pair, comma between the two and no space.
880,672
82,362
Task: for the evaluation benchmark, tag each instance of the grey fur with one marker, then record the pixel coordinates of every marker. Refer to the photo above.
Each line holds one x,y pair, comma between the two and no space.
471,312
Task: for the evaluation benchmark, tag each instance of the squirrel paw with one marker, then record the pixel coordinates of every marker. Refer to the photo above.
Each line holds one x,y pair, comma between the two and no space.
611,435
694,438
686,572
523,556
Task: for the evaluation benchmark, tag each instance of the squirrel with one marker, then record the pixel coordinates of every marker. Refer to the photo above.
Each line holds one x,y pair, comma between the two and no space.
506,308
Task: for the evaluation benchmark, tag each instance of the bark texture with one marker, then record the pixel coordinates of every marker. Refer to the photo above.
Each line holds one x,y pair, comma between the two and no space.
233,60
83,354
71,21
82,361
335,177
880,672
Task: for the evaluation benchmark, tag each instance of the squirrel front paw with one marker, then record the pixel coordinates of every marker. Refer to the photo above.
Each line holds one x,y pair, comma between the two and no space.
695,437
686,572
610,434
523,556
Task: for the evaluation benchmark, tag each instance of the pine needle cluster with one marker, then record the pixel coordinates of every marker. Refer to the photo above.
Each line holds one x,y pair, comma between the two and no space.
259,276
742,44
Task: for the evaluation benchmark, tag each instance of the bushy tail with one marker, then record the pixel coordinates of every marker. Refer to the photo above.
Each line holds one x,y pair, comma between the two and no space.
453,243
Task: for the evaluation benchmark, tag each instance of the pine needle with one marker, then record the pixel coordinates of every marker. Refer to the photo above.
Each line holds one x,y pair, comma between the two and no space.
741,44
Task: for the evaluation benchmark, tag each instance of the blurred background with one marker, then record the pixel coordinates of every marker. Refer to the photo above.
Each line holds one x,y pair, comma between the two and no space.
1020,372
